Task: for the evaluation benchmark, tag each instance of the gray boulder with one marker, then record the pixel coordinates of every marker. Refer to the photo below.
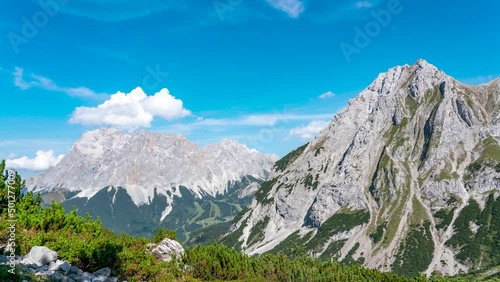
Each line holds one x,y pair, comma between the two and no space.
59,265
103,273
167,249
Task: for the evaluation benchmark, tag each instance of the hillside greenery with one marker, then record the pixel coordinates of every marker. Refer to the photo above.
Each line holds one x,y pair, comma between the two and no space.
416,252
284,162
85,243
478,248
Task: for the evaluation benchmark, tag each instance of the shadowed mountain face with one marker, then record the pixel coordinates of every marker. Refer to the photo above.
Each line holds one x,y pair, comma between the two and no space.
406,177
140,181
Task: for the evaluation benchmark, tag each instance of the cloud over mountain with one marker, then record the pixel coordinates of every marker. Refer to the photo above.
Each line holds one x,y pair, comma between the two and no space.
131,110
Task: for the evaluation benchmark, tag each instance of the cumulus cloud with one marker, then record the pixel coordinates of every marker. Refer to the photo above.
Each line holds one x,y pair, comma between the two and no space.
47,84
363,4
328,94
131,110
292,7
42,161
310,130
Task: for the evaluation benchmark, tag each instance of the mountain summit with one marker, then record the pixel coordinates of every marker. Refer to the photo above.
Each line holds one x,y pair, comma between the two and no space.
145,170
406,177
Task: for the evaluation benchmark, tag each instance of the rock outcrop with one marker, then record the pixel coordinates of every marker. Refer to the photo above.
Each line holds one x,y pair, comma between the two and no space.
42,262
167,250
399,163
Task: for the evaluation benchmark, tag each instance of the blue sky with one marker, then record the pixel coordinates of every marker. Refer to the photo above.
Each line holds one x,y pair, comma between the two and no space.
252,71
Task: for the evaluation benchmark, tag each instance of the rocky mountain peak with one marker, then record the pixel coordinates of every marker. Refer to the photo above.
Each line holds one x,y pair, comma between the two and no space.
419,76
413,143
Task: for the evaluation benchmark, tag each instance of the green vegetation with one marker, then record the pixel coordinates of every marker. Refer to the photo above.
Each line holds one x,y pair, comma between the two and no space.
418,214
332,250
400,142
319,146
463,234
287,160
379,233
233,240
491,149
411,104
396,213
292,246
479,248
444,218
217,263
416,252
161,234
349,259
189,214
262,194
209,235
310,182
83,241
339,222
490,157
257,232
446,174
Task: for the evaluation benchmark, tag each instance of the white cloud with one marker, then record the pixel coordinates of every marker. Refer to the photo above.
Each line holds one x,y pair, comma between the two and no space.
328,94
310,130
42,161
131,110
47,84
292,7
363,4
262,119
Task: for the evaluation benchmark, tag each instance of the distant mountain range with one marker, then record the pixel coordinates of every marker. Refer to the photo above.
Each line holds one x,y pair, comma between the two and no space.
406,178
137,182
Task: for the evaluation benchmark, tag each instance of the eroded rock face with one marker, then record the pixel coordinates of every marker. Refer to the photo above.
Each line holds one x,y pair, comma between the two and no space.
401,151
167,249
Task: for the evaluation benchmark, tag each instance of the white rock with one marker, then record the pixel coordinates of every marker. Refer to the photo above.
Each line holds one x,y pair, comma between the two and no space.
167,249
40,256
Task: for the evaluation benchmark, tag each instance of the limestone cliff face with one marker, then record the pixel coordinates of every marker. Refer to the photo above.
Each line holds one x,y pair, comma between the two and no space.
416,142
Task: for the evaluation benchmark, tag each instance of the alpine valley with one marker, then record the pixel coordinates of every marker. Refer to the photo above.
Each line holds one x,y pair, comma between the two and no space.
406,178
138,182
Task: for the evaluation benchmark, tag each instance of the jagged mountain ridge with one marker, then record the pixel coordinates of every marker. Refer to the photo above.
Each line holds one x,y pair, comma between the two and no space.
146,160
150,173
408,156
